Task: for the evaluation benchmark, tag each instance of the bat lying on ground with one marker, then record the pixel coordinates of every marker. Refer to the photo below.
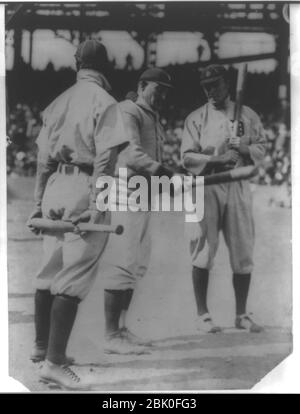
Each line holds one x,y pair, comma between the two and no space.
66,226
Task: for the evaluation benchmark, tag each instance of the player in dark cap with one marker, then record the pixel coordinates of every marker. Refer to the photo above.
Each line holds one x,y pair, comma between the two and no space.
210,144
129,255
91,54
75,147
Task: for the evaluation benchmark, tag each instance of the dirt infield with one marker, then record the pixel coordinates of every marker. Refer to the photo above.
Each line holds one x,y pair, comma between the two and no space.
163,309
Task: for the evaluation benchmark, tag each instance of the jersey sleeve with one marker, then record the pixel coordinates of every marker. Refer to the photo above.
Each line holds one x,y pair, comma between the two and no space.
136,158
192,158
46,165
110,137
258,143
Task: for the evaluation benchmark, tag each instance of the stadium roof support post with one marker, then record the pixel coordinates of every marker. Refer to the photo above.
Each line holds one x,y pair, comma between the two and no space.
30,46
17,47
210,36
81,24
145,44
282,54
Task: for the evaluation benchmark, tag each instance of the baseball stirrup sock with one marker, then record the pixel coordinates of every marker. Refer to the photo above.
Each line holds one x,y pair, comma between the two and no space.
42,302
241,283
63,314
127,297
113,305
200,283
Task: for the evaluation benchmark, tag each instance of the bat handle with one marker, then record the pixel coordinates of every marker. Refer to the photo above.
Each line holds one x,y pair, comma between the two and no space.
117,229
236,128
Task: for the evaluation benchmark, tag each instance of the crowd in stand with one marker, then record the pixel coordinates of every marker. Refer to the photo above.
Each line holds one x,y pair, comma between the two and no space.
24,123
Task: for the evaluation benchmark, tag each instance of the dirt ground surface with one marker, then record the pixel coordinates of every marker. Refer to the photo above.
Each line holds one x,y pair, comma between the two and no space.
163,309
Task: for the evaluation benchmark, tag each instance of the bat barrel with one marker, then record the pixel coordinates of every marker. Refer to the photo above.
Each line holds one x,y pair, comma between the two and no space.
236,174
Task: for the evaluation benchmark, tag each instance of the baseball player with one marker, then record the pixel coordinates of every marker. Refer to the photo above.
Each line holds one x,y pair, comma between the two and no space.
77,144
210,145
127,257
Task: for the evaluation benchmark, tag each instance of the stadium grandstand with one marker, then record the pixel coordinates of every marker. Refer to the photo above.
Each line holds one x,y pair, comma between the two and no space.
182,37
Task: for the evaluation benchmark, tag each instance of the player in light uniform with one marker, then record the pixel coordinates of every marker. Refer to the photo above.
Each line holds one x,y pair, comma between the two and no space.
209,145
77,143
127,257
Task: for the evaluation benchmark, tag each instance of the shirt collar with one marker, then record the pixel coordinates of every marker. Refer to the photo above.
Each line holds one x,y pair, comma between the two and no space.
143,104
91,75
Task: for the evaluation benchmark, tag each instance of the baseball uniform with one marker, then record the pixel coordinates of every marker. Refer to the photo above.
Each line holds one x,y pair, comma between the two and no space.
82,129
227,206
127,257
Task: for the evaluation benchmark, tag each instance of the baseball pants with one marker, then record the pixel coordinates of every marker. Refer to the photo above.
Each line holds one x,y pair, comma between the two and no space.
127,257
69,264
227,208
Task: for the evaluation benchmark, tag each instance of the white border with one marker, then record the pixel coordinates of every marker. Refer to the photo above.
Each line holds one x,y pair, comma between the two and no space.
285,377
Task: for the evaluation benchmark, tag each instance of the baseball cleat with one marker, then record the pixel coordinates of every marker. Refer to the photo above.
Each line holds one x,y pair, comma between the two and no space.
63,377
246,322
39,355
205,324
133,339
117,344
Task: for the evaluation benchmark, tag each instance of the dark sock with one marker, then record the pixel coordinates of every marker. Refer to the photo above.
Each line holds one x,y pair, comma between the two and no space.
63,314
127,297
241,283
113,305
42,303
200,283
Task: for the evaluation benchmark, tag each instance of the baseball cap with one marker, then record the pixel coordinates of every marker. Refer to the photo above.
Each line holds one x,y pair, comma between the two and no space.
91,54
212,73
157,75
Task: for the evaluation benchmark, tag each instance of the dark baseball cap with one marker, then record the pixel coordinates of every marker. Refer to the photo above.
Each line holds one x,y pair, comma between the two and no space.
212,73
157,75
91,54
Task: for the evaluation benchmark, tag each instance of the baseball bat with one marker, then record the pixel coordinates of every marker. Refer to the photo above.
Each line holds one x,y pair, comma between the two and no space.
65,226
240,86
236,174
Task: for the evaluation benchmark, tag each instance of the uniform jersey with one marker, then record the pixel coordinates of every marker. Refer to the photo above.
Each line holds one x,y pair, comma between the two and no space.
146,137
79,127
209,127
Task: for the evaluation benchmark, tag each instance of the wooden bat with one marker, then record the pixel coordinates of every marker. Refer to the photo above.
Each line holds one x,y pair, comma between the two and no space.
240,86
236,174
66,226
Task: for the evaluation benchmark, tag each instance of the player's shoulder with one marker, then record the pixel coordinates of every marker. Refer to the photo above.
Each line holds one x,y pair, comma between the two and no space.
250,113
197,115
129,107
94,93
59,100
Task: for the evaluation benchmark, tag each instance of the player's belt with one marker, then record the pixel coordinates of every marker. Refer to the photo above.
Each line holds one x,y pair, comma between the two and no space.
71,169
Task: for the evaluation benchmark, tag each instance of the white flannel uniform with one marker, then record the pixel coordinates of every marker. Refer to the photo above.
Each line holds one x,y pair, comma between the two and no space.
127,257
77,133
227,206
